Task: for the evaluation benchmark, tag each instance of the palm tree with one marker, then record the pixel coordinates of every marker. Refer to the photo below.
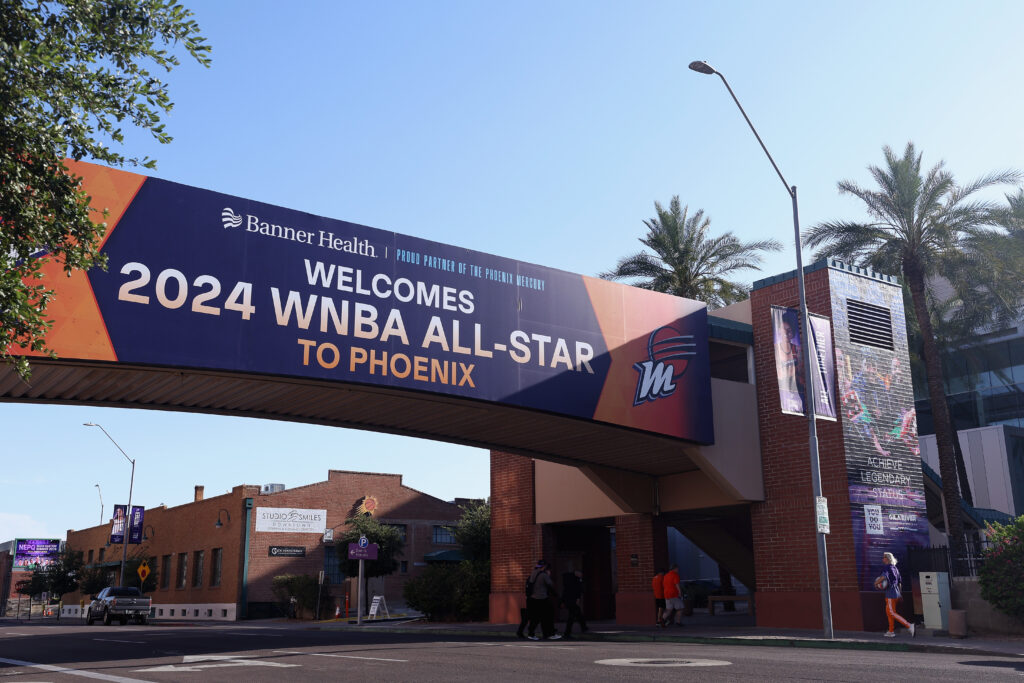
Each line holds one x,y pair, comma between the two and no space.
687,262
925,225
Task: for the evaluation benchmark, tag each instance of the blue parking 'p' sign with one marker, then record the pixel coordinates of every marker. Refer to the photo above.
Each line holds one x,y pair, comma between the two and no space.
363,542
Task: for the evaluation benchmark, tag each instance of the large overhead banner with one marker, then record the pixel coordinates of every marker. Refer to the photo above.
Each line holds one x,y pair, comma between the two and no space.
203,280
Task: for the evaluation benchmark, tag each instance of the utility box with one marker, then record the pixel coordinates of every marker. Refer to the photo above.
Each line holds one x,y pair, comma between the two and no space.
935,600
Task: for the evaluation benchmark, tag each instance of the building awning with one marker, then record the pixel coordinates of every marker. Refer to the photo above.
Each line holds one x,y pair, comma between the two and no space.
444,556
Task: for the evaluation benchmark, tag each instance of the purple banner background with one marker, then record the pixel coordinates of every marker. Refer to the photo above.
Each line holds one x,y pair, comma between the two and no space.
32,552
135,521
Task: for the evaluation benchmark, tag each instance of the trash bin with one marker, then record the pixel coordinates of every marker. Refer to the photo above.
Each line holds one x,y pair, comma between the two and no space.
935,600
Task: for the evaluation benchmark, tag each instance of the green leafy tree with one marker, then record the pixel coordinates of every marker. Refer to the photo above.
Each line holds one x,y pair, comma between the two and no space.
389,546
73,73
923,225
93,579
458,591
131,573
473,532
1002,574
687,261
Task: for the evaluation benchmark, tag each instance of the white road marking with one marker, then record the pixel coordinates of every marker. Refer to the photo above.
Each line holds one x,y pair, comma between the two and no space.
663,662
327,654
191,663
71,672
14,633
114,640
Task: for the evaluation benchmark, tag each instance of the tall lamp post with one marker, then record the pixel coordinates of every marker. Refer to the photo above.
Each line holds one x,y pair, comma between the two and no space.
128,512
100,491
826,601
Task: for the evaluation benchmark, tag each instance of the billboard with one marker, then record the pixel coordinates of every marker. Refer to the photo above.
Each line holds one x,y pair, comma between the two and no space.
199,279
30,553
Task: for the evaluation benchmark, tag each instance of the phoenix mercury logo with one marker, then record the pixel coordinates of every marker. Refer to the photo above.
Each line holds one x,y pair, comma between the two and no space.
229,218
668,355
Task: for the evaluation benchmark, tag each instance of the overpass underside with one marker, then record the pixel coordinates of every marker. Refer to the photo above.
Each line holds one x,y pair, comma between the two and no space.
544,436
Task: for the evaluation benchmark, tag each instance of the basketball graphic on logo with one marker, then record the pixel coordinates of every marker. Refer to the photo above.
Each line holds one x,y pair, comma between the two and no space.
667,344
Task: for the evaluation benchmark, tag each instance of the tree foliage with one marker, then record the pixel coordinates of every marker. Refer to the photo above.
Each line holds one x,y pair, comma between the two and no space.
928,228
473,532
1002,574
388,539
74,72
687,261
458,591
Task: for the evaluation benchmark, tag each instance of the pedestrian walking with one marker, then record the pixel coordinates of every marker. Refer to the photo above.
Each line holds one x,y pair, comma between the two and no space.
538,603
572,591
658,586
889,581
673,601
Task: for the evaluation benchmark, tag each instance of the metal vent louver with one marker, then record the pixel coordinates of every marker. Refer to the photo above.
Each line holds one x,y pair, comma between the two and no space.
869,324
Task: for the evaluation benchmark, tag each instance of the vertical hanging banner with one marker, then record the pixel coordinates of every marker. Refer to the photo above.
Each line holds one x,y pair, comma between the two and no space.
135,524
789,367
117,525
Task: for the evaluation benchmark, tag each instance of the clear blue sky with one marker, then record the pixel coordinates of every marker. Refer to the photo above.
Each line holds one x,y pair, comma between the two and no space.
539,131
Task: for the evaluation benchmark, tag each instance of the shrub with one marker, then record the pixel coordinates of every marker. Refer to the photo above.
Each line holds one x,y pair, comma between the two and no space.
302,587
1002,574
447,592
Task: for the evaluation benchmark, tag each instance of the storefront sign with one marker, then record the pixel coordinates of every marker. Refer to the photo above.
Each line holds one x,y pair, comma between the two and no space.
286,551
291,520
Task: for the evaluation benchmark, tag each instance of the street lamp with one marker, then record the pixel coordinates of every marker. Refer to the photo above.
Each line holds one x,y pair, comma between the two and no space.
99,491
219,523
826,601
128,512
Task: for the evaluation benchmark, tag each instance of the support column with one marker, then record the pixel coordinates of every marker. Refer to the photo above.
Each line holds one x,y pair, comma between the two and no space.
641,548
517,542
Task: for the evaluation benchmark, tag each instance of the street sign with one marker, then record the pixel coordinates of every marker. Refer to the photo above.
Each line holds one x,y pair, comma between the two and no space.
143,569
821,514
363,541
360,552
328,535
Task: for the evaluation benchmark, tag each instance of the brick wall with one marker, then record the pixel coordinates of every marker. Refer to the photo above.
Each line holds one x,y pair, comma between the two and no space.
517,542
645,538
785,550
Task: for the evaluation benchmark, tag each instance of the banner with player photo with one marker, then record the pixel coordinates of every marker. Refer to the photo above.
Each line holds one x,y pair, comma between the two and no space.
789,366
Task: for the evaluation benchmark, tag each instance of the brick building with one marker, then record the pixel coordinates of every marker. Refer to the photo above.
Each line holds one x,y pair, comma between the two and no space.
746,501
215,557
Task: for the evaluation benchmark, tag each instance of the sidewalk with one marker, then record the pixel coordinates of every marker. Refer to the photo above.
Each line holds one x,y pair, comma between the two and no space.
723,629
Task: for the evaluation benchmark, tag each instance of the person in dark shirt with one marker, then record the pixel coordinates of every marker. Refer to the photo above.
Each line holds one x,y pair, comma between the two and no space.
539,605
572,591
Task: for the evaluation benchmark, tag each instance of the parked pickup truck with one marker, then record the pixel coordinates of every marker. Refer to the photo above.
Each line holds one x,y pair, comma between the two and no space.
121,603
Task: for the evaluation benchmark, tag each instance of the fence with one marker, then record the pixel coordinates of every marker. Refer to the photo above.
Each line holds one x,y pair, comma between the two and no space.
966,562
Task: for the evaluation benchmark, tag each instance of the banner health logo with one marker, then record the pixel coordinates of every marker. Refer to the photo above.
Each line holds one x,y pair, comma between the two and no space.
668,355
230,219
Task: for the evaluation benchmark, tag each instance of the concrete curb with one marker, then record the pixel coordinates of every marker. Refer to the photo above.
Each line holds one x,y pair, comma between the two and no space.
748,641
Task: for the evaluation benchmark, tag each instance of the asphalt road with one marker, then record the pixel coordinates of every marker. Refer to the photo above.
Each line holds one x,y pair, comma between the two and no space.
253,653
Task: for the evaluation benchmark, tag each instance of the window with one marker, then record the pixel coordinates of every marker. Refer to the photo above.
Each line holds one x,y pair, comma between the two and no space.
443,535
197,568
182,570
165,571
400,528
216,566
333,572
405,567
103,551
90,558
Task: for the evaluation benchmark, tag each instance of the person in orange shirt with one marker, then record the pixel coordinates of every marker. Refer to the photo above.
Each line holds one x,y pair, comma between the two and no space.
673,603
658,586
